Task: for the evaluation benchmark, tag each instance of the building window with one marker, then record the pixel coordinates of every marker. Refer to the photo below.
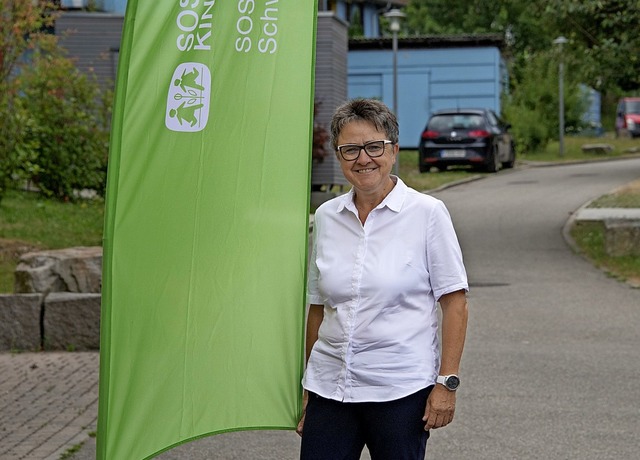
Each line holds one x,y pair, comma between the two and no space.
327,5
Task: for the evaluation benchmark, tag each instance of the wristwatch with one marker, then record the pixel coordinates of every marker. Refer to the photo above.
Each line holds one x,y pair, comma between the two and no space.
450,382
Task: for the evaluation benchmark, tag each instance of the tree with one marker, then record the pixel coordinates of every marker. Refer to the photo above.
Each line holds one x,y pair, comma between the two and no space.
602,51
65,137
532,109
21,26
54,119
604,37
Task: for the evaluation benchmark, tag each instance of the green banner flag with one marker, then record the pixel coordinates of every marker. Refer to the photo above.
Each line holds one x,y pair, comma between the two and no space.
206,223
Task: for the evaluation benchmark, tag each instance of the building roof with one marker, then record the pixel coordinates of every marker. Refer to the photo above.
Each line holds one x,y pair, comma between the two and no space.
429,41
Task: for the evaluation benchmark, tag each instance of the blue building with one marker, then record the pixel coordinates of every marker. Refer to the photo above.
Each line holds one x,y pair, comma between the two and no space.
432,73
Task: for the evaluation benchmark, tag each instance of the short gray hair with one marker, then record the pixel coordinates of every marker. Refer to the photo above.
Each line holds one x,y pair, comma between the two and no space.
371,110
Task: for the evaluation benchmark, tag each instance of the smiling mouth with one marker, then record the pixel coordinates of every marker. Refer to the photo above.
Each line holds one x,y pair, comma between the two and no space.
364,171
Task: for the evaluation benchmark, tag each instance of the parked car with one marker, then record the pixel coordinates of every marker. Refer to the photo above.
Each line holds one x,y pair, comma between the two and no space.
628,117
476,137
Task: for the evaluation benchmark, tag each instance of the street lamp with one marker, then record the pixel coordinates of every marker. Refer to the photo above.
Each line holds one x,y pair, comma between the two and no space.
561,41
395,16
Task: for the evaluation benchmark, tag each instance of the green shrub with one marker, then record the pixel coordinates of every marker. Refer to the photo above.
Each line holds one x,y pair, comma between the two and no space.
64,146
9,138
530,135
532,108
53,120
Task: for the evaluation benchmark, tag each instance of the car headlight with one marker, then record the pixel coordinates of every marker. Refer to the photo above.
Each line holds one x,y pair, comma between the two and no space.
631,124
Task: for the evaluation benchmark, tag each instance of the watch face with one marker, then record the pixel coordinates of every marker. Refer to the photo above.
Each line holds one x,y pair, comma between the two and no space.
452,382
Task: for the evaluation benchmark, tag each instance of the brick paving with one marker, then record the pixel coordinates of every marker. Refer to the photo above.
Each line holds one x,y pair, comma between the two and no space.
48,403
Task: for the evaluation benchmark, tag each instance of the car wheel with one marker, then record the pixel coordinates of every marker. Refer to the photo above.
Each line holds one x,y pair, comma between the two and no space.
423,168
512,158
493,162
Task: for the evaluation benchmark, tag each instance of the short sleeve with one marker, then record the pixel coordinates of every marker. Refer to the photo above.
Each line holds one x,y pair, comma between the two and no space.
444,255
313,293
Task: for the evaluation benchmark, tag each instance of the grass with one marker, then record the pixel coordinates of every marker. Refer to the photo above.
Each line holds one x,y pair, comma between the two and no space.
573,149
408,171
625,197
590,236
29,221
69,453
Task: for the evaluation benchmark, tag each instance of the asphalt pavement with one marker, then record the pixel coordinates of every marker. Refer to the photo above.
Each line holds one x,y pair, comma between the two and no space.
550,367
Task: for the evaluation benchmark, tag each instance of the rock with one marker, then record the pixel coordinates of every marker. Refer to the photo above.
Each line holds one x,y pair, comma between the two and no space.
20,322
76,269
601,149
71,321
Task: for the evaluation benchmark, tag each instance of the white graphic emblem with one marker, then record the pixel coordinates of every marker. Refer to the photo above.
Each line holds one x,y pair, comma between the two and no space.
189,98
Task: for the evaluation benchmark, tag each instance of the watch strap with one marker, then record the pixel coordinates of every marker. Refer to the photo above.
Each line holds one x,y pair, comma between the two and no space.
450,382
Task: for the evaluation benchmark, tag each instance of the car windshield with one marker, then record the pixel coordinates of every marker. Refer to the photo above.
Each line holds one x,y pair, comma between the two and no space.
455,121
633,106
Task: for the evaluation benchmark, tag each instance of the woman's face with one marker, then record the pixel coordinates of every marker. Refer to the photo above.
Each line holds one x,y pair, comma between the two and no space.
366,174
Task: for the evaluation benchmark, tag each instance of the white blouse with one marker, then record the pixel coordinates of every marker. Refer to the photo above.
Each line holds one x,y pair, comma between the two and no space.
379,284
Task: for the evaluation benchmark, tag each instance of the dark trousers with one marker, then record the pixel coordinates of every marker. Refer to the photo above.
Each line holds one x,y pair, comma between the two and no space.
391,430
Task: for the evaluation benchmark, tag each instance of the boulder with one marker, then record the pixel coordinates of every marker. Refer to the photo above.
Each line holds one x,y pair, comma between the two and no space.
601,149
76,269
20,322
71,321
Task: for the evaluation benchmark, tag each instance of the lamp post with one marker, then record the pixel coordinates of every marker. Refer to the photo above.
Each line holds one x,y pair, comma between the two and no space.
395,16
561,41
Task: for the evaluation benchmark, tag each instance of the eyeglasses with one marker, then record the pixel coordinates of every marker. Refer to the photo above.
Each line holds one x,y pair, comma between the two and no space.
352,151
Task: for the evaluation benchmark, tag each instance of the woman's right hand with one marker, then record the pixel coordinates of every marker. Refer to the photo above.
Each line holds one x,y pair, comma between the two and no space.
305,400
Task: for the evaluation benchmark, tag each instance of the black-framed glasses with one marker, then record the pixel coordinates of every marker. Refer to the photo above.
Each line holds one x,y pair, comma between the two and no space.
350,152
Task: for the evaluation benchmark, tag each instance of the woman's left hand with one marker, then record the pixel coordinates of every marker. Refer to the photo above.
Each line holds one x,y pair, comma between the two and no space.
441,405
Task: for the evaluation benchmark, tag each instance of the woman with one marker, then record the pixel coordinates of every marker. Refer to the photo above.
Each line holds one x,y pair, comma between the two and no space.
382,256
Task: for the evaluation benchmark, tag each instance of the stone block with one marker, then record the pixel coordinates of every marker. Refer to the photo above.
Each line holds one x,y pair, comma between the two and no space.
20,322
622,238
72,321
601,149
76,269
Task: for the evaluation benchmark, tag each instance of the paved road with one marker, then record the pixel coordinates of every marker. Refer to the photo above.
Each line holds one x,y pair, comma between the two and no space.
551,364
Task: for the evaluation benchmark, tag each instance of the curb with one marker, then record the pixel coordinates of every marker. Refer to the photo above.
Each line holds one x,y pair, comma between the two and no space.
454,184
544,164
566,234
